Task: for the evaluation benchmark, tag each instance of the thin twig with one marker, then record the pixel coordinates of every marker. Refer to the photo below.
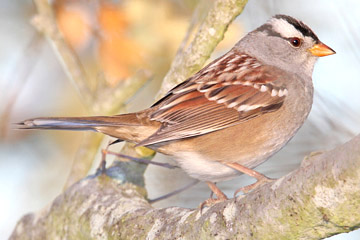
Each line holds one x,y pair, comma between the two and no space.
174,192
45,22
22,76
141,160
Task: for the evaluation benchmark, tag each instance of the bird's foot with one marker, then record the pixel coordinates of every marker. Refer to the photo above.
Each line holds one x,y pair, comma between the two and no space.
260,181
211,201
261,178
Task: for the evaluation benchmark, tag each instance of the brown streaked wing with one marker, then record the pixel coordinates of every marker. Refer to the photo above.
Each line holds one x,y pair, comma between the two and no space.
216,100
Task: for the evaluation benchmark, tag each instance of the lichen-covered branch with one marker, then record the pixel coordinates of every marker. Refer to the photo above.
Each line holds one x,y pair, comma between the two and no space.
318,200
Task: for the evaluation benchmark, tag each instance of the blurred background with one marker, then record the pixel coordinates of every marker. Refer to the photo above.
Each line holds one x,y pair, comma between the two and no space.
130,44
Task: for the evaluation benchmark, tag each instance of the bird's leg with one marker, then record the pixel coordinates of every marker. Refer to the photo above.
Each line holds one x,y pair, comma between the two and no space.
219,194
261,178
212,193
102,166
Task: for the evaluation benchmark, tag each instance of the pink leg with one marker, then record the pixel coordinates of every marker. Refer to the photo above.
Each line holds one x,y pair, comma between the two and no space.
219,194
261,178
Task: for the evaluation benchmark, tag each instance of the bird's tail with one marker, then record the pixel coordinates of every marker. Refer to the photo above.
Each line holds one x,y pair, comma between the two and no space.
128,127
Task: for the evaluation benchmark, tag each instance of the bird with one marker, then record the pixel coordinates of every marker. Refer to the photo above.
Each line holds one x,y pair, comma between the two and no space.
232,115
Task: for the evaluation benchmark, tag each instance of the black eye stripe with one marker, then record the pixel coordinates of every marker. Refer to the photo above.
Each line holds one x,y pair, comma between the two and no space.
267,28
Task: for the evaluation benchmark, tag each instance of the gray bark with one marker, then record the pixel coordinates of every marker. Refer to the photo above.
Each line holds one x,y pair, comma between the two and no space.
318,200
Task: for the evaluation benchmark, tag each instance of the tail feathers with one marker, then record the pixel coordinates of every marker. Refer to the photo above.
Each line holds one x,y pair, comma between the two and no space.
131,127
78,123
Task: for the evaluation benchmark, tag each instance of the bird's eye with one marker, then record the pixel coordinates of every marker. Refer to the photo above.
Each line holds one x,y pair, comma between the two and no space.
295,42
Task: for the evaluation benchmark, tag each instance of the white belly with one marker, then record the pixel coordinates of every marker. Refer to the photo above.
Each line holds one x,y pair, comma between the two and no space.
200,168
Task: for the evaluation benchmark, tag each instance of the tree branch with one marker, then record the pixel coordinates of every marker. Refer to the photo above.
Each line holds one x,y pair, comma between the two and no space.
318,200
96,101
211,32
45,22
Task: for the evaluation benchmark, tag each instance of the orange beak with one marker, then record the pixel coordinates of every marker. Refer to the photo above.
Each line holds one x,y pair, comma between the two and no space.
321,50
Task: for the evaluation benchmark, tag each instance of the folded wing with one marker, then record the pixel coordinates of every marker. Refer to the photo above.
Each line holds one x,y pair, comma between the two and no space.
230,90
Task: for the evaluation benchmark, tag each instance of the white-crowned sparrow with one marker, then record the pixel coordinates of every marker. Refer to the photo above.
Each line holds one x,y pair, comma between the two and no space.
230,116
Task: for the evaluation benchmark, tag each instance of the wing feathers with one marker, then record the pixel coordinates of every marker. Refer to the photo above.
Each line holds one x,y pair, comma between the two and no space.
230,90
